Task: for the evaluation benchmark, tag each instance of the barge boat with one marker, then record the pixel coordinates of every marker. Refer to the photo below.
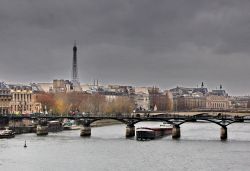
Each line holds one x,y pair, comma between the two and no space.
147,133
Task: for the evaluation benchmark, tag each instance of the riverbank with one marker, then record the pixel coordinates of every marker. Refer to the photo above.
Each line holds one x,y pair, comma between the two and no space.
23,129
32,129
210,113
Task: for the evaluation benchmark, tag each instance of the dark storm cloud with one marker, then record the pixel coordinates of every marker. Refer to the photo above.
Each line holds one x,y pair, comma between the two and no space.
143,42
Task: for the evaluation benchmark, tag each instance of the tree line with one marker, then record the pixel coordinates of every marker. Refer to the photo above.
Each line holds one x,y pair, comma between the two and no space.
75,102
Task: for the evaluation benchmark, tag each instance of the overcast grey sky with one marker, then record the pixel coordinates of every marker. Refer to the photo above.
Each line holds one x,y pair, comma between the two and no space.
135,42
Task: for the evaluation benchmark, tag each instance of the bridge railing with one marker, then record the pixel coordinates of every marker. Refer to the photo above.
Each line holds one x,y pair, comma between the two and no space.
132,115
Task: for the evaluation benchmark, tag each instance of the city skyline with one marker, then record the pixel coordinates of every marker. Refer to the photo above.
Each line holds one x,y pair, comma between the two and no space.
164,43
124,85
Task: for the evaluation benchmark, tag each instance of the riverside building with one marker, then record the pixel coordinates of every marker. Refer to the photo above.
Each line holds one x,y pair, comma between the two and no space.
5,98
150,98
186,99
23,99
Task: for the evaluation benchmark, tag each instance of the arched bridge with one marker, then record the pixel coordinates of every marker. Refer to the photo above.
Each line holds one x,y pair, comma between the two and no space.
131,119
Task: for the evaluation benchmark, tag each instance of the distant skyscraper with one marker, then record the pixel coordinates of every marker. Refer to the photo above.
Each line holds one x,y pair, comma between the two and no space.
75,78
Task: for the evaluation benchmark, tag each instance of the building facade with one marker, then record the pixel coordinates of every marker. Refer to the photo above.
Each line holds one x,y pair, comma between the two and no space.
45,87
209,102
142,101
62,86
158,100
5,98
217,102
185,103
240,102
200,99
22,99
150,98
141,98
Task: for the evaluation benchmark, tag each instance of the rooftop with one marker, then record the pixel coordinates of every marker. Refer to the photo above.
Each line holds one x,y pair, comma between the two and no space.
3,85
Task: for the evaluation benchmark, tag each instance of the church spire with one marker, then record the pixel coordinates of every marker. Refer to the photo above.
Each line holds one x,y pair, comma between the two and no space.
220,87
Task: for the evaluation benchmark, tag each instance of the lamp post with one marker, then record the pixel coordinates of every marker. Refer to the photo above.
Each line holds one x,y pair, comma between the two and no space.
175,104
1,101
24,107
21,107
45,110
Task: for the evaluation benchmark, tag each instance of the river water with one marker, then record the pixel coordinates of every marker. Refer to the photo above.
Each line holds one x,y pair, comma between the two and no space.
107,149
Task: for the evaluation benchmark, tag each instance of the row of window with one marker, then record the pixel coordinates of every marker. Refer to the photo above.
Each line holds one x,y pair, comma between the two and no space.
5,100
22,97
217,105
21,88
21,108
3,110
195,103
5,92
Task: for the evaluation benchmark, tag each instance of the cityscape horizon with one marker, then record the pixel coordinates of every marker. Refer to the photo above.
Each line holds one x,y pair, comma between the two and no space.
124,85
75,78
127,84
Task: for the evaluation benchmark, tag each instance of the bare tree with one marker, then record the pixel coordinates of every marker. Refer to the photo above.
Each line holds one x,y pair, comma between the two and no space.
92,103
119,105
61,104
169,101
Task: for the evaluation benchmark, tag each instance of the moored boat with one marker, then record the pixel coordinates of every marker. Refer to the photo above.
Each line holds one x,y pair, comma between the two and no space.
67,125
7,133
54,126
147,133
70,125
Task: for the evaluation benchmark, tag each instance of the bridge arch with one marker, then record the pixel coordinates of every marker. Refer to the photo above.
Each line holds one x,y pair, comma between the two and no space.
154,120
116,119
211,121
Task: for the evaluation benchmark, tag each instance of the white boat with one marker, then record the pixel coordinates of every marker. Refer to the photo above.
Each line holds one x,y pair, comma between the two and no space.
7,133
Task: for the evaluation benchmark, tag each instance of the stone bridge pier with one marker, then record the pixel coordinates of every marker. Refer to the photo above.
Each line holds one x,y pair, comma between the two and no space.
42,128
176,132
130,131
86,129
223,133
4,122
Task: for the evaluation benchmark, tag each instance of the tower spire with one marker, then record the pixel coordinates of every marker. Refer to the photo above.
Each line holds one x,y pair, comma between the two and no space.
75,79
202,85
74,66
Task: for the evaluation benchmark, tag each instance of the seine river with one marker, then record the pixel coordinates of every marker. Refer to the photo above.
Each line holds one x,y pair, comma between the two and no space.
199,148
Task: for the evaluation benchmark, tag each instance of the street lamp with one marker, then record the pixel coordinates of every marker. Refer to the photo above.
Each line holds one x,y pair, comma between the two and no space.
1,107
45,110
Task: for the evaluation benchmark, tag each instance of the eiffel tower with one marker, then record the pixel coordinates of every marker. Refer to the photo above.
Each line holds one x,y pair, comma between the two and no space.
75,79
